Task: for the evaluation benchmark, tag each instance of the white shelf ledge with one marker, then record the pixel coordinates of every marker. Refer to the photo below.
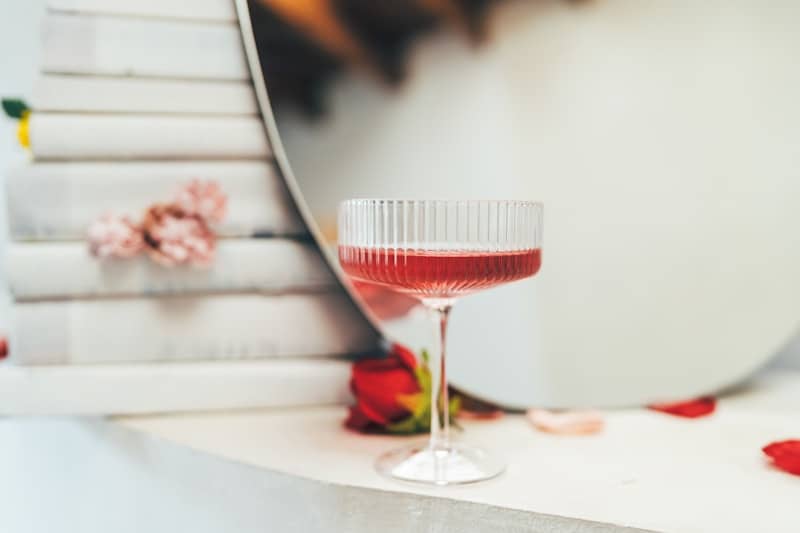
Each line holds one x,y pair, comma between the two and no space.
647,470
297,470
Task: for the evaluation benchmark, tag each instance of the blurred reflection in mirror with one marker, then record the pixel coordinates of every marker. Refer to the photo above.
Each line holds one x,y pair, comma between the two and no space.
662,137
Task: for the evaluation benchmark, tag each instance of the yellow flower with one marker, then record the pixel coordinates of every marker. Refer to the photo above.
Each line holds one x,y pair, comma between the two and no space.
23,133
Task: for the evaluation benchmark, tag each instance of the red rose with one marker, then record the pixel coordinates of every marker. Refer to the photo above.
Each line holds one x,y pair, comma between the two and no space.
376,384
785,455
691,409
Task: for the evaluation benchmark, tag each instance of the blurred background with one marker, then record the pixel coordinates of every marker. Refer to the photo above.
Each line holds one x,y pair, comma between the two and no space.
18,67
661,136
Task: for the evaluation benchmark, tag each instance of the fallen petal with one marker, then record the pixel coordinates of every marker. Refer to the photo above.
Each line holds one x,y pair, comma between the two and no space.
696,408
566,422
785,455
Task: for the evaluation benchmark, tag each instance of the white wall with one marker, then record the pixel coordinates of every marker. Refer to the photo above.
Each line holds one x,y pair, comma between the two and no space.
19,52
662,137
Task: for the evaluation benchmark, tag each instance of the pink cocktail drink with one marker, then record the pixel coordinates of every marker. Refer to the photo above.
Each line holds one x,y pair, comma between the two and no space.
439,274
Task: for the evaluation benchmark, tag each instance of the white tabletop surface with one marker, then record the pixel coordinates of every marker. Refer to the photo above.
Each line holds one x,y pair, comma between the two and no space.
646,470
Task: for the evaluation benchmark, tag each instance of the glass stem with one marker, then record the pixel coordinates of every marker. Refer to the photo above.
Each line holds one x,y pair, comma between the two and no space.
440,401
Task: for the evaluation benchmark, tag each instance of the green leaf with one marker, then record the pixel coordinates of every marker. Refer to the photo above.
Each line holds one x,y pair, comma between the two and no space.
419,421
455,406
14,107
424,381
413,402
405,426
423,372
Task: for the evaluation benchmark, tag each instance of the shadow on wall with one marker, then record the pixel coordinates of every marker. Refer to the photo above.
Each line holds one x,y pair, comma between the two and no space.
789,356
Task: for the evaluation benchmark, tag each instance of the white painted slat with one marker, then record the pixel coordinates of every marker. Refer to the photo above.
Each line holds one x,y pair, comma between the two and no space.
103,45
209,10
65,93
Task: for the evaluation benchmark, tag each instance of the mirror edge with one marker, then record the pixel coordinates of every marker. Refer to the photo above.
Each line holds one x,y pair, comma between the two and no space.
284,167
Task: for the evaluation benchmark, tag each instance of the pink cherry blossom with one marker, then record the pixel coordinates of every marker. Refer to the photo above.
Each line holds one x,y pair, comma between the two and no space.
203,199
114,236
174,237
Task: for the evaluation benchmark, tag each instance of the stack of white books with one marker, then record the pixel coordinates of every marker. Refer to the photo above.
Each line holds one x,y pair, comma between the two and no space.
133,101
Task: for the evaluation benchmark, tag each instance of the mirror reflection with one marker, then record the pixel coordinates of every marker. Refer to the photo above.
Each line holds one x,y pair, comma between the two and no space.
660,136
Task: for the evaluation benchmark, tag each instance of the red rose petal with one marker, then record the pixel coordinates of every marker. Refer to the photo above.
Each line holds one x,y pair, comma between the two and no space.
783,448
373,413
702,406
3,347
405,355
377,393
785,455
356,419
377,365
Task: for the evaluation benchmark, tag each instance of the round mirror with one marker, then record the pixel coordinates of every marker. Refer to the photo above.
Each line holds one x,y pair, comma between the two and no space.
660,136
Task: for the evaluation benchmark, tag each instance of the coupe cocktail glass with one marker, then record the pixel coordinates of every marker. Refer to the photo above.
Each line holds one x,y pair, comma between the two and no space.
438,251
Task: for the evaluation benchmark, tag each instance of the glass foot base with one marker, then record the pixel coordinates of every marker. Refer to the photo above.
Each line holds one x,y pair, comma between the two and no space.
457,464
